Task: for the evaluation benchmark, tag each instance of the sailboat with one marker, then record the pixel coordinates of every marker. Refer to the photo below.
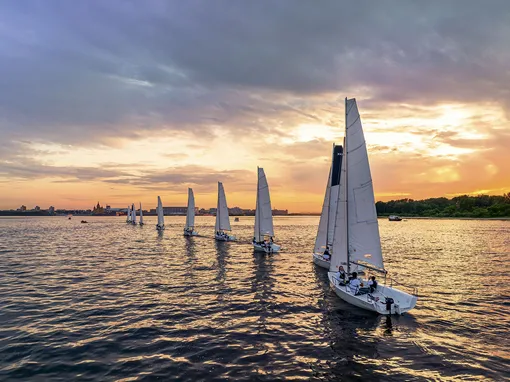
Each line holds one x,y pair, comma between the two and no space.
356,239
141,215
133,214
264,232
326,230
161,219
128,217
222,218
190,215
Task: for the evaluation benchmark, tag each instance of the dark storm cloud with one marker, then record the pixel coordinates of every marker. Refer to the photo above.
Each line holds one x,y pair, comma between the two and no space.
82,71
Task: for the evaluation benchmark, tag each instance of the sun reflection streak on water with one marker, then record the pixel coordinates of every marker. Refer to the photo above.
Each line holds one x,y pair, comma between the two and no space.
110,301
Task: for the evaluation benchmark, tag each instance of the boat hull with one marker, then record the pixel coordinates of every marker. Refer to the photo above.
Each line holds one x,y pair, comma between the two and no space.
187,233
225,238
320,261
375,302
262,248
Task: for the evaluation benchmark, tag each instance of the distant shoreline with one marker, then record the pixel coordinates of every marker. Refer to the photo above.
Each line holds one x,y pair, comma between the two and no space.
446,218
289,215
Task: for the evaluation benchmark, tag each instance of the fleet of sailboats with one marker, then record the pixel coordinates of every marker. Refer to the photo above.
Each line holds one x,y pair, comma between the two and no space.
263,236
222,226
356,238
190,215
347,241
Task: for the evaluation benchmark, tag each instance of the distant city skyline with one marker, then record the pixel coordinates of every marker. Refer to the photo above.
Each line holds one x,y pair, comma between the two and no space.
128,101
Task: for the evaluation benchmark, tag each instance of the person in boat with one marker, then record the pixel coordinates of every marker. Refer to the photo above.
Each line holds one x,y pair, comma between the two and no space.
326,255
372,284
354,283
341,275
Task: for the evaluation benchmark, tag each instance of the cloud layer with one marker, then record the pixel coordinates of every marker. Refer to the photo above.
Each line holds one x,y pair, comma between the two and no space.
268,77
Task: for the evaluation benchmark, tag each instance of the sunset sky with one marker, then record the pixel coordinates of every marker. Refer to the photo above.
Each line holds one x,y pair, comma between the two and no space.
121,101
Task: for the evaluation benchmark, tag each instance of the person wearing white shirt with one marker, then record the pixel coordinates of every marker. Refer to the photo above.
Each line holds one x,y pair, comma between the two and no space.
354,283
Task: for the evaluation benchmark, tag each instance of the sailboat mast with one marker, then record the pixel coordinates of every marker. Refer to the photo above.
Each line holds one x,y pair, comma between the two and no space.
346,149
218,208
257,209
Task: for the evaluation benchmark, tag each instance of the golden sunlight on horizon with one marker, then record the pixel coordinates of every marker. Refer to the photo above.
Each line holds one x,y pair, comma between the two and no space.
415,152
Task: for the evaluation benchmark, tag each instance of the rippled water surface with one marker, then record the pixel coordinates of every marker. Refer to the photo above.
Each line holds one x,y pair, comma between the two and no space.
110,301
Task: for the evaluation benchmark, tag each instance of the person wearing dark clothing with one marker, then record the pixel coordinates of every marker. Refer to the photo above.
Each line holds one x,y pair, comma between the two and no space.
372,284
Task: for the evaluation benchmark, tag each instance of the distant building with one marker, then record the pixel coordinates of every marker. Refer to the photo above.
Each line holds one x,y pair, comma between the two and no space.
235,211
175,210
51,210
280,212
37,208
22,208
108,209
98,210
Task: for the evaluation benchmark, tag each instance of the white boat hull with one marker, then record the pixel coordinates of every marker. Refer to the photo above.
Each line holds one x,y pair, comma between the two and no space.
225,237
188,233
263,248
321,261
376,301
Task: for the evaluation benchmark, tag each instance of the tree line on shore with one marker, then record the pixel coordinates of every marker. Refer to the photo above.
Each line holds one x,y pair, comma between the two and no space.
479,206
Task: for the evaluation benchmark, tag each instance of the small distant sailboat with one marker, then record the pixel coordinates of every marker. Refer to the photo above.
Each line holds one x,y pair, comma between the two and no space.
394,218
190,215
133,214
263,232
356,235
141,215
222,218
324,240
161,219
236,219
128,215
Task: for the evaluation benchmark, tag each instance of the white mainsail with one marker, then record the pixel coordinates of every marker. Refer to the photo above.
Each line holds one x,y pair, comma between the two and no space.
128,218
356,231
322,231
141,214
263,212
222,218
190,215
161,218
339,249
133,214
363,230
326,230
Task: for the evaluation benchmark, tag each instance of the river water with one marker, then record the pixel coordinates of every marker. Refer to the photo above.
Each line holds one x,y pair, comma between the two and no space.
108,301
